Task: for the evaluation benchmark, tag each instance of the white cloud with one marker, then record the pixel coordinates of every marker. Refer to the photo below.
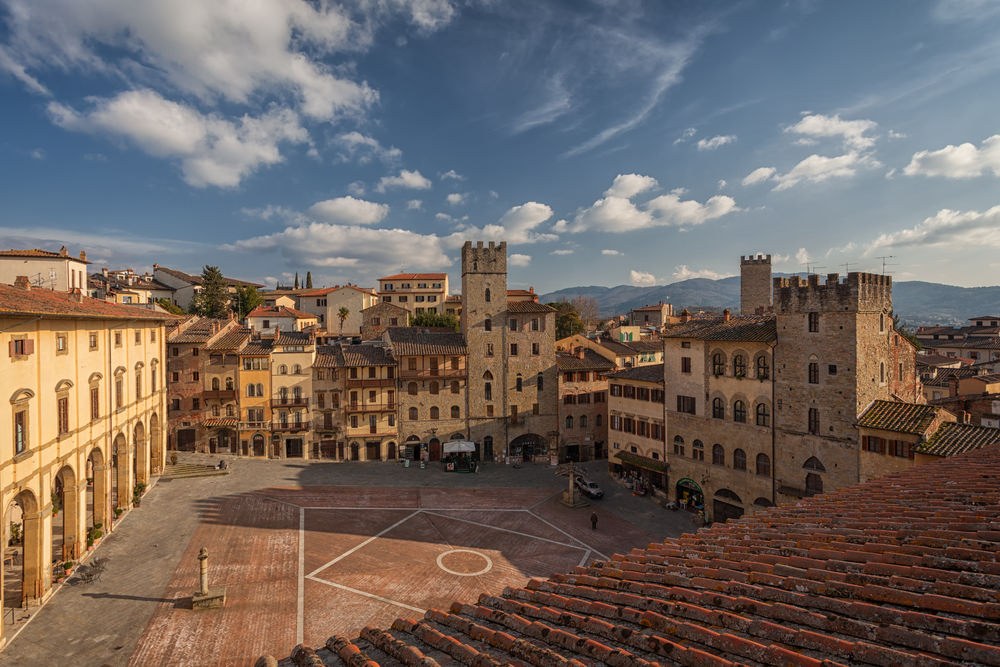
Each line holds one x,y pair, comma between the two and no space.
204,49
629,185
852,132
456,198
360,248
272,212
612,253
819,168
37,153
517,259
716,142
758,175
562,251
722,184
957,229
615,213
555,102
893,134
17,70
560,226
641,278
684,272
519,225
365,149
685,135
120,247
802,256
414,205
494,194
962,161
412,180
211,150
349,211
453,175
356,188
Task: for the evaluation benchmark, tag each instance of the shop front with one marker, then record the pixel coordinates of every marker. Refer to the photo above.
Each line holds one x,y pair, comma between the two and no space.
689,494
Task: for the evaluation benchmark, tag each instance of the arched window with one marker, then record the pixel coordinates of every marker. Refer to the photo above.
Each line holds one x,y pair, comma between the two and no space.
297,369
698,450
583,421
763,465
739,411
739,366
251,390
763,415
229,384
486,295
569,421
813,372
455,387
813,463
763,371
739,459
488,391
718,408
718,455
519,383
215,410
678,445
215,384
433,387
539,381
260,388
455,412
718,364
229,410
283,394
413,414
435,412
411,389
282,370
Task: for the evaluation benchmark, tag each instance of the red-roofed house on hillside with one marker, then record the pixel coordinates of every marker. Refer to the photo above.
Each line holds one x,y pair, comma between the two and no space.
266,319
44,268
656,316
417,292
186,285
899,571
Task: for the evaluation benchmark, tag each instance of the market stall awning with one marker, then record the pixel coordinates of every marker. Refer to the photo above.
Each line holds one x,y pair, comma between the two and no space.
455,446
642,462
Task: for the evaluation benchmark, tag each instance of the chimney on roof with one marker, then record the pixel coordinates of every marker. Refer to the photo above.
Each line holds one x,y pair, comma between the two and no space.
21,282
580,352
726,315
76,294
83,255
155,266
685,316
63,252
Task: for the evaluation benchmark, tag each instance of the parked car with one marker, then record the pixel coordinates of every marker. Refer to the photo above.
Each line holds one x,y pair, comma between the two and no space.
589,488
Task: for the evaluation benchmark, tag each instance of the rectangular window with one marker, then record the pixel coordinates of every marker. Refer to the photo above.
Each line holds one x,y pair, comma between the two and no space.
92,340
138,337
513,349
195,403
175,404
814,421
569,399
599,397
813,373
21,347
813,322
832,369
62,411
118,339
95,403
20,430
616,390
138,385
900,371
62,343
489,410
535,349
685,364
354,421
175,377
119,392
152,335
196,376
513,325
686,404
534,324
686,344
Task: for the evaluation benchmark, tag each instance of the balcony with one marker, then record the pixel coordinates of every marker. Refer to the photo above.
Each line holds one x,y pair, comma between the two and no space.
220,394
433,374
371,382
290,402
289,427
371,407
255,426
366,432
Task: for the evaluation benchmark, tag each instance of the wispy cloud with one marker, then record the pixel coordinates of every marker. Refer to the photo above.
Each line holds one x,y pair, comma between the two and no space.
715,142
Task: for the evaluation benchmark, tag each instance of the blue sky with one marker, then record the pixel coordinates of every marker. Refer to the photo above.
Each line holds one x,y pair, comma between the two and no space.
608,142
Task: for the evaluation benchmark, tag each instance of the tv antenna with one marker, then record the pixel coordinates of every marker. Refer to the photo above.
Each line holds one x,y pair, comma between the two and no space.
810,267
885,263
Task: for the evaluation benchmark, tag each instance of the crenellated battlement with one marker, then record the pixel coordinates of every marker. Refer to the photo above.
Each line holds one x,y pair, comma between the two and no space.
755,259
481,258
859,292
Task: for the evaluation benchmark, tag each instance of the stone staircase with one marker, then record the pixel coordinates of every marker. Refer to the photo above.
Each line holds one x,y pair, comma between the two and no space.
184,470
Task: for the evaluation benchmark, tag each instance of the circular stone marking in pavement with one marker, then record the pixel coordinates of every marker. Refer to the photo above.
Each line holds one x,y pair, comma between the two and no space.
484,570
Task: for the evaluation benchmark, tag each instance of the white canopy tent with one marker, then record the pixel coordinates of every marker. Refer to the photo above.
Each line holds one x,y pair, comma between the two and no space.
455,446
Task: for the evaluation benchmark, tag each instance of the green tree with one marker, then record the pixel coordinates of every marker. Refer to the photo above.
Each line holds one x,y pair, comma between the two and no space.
247,298
443,320
170,306
568,320
213,299
309,279
296,280
342,315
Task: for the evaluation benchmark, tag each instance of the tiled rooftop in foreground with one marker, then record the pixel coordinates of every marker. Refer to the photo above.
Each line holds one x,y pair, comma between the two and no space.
902,570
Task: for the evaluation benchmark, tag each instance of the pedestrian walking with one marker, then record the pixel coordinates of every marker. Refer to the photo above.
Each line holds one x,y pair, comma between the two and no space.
593,520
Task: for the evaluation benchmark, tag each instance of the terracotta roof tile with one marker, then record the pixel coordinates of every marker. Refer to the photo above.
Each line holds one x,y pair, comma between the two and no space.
900,417
750,328
592,361
651,373
280,311
230,340
257,348
196,280
528,307
416,276
367,355
407,341
951,439
50,303
908,577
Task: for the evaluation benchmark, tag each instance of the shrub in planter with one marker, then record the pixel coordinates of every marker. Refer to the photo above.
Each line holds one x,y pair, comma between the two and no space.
95,534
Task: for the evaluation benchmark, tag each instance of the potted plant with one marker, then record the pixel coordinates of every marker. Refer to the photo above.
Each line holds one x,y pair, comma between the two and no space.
94,534
119,511
67,566
137,492
15,534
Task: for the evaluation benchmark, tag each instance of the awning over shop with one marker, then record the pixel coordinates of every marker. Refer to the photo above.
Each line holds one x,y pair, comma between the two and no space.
642,462
456,446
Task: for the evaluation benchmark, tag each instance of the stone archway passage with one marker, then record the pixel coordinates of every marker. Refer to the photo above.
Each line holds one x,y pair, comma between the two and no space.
141,454
98,482
121,461
155,445
66,523
27,581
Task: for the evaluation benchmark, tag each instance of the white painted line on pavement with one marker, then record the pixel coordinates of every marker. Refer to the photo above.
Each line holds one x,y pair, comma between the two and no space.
367,595
507,530
568,535
366,542
300,612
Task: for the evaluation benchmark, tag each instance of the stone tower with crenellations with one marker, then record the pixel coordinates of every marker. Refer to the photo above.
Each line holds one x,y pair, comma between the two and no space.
755,284
833,357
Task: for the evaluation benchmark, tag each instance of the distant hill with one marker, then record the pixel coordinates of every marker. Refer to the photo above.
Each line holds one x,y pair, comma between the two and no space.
915,301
